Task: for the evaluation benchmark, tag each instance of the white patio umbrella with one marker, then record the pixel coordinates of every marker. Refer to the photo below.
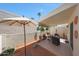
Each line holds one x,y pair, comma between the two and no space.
19,21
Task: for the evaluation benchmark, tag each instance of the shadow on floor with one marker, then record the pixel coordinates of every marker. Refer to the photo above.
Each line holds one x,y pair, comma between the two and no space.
33,51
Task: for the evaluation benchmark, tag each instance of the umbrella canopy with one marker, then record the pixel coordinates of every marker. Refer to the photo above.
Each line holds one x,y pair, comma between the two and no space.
18,21
21,21
17,18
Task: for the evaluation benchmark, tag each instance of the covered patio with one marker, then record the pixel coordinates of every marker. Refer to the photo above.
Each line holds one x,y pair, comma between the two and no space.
58,17
45,48
39,47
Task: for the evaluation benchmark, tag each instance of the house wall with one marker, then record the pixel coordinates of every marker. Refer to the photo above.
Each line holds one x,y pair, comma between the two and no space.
60,30
75,40
0,43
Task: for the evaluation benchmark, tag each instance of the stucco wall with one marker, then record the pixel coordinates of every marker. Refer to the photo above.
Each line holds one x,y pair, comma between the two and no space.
5,29
0,43
60,30
15,40
75,41
12,36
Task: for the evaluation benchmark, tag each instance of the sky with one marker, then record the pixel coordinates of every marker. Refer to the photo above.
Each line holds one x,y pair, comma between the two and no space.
29,10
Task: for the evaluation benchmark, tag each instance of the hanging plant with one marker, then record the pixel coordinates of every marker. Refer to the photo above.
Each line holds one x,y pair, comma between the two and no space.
47,28
38,28
42,29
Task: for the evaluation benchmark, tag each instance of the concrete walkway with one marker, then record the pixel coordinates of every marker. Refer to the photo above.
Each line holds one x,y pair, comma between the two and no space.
63,50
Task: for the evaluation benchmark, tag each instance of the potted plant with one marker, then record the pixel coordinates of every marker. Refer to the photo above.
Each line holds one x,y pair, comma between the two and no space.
8,52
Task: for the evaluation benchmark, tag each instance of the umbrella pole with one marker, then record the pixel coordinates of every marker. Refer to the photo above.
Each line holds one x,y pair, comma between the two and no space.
24,39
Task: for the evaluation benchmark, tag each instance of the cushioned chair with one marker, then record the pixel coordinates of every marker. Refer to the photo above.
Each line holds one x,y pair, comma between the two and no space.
55,40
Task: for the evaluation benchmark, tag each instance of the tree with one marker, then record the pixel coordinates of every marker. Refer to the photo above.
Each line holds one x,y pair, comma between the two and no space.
39,14
32,18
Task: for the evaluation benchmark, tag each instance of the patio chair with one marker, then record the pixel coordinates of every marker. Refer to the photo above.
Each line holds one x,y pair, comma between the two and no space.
55,40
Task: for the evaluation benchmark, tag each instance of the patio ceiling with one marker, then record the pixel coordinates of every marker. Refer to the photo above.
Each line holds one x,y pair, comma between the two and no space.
59,16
